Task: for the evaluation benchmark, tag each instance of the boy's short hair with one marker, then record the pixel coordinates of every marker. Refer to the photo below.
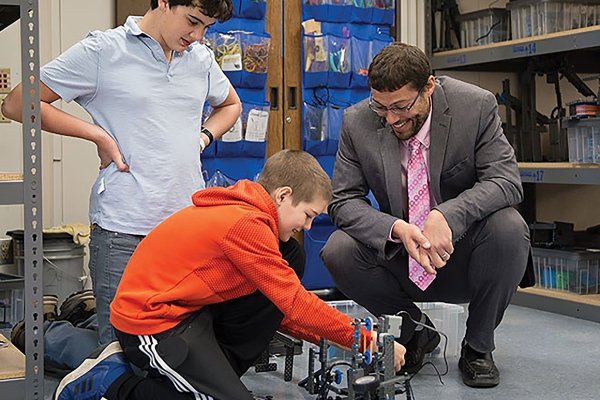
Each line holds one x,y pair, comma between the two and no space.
298,170
222,10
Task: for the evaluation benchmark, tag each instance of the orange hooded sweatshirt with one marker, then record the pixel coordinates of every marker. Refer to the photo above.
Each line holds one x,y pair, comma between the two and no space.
223,247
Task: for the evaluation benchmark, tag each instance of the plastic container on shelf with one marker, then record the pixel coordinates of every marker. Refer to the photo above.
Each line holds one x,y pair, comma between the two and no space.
575,155
587,144
572,17
583,140
567,270
550,16
580,14
483,27
540,17
523,18
443,315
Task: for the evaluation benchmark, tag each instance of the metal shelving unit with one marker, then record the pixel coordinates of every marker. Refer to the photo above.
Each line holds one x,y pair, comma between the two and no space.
582,47
574,305
29,193
560,173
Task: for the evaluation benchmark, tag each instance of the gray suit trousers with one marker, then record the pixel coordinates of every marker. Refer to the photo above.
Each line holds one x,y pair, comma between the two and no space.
484,271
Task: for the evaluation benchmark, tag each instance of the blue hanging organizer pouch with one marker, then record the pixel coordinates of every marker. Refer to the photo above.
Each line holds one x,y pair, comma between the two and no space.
340,57
316,60
253,9
255,53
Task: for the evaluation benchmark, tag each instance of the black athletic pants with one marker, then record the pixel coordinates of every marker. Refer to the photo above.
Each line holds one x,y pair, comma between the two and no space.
205,355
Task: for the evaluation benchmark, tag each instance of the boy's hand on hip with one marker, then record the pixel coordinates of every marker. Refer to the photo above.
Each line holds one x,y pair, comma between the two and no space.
108,151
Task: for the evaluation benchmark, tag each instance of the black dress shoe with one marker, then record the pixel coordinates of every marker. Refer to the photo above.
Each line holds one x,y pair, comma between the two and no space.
424,341
478,369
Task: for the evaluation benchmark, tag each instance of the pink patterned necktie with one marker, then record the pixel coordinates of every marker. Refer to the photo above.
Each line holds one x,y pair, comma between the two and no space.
418,206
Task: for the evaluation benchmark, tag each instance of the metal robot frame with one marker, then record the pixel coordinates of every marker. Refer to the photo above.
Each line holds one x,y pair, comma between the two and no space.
370,374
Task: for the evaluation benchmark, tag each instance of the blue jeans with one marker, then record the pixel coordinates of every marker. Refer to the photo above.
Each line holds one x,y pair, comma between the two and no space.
109,254
66,346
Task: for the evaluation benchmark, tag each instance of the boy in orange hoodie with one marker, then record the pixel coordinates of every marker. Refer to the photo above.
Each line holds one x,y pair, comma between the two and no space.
206,290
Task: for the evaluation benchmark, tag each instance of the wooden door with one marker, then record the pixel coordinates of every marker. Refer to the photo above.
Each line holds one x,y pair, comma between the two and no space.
292,75
126,8
275,129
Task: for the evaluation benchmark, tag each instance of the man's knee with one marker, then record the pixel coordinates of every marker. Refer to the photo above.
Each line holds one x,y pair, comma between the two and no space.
507,227
506,238
339,243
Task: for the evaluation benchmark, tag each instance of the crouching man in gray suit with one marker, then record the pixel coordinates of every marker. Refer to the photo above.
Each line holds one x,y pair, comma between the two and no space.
466,242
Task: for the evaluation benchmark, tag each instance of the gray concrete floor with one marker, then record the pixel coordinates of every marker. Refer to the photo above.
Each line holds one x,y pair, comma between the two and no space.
540,356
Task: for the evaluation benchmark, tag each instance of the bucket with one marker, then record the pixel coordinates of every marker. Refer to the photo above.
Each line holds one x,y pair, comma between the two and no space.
63,263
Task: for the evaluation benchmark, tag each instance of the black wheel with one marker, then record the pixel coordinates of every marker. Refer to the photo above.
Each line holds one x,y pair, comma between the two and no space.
365,384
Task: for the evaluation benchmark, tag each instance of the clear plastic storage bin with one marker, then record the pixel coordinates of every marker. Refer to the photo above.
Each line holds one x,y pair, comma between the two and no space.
523,18
584,140
483,27
444,316
540,17
572,270
580,14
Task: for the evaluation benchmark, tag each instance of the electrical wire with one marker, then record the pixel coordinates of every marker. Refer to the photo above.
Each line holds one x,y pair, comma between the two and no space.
493,25
444,351
328,380
403,380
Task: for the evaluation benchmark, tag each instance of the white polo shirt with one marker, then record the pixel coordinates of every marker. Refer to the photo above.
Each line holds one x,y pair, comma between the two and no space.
152,108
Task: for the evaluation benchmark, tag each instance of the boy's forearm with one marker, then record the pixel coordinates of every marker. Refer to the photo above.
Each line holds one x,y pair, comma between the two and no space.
57,121
53,119
12,106
224,116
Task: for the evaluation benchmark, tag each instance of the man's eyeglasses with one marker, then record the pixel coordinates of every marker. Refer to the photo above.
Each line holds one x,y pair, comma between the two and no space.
382,111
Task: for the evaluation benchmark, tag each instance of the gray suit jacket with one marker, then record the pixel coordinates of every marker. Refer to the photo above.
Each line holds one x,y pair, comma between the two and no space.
473,170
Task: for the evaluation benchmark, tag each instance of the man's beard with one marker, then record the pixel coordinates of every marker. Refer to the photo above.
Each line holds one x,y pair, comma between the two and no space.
417,123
